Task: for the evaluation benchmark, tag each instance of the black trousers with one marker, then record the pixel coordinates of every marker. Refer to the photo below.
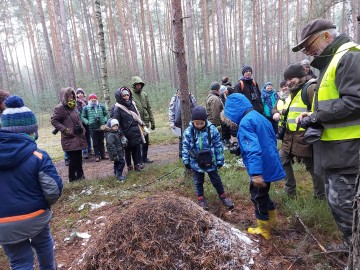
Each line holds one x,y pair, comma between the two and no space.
75,165
98,142
134,152
261,199
145,148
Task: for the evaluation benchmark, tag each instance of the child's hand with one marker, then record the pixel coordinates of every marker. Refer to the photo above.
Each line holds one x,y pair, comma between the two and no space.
258,181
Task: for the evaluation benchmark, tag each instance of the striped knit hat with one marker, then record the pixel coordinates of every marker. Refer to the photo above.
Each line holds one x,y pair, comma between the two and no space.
18,118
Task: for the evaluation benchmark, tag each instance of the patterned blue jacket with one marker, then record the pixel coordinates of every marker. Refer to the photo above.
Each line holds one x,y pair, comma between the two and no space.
200,142
29,185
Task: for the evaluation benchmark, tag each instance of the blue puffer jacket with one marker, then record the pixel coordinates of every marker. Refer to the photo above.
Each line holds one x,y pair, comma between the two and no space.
29,185
256,139
200,142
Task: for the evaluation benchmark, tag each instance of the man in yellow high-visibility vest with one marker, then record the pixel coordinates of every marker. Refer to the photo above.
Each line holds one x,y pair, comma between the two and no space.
336,109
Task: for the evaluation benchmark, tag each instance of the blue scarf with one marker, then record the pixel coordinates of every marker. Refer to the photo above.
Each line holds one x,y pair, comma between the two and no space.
269,99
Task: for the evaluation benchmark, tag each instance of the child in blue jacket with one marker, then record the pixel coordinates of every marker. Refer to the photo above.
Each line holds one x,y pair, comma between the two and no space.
257,143
202,151
29,185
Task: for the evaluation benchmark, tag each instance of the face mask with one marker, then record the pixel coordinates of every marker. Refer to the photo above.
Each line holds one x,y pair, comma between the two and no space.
71,104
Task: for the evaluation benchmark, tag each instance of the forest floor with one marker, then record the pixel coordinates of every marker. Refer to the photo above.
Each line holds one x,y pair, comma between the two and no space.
289,248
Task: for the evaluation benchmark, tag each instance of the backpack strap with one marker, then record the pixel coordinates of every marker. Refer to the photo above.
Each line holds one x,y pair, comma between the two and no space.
304,95
242,84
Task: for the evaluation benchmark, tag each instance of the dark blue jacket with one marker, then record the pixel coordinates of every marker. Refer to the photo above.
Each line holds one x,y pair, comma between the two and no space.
29,183
256,139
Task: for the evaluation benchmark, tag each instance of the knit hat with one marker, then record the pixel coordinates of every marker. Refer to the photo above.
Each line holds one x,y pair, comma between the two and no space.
18,118
312,28
80,90
294,70
214,86
114,122
125,92
92,96
305,62
246,68
198,113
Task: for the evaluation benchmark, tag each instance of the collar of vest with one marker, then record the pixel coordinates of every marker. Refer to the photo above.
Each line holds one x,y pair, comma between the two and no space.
329,51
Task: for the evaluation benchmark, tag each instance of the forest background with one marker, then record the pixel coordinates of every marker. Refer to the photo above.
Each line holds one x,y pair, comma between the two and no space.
47,45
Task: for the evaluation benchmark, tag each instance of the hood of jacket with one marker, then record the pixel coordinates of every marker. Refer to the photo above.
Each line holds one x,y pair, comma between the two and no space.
14,149
65,93
136,80
236,106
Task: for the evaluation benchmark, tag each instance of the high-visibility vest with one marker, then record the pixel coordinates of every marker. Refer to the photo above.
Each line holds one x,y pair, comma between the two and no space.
296,108
346,129
283,105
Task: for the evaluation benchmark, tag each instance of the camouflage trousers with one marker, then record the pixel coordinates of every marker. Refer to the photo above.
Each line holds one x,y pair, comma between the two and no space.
290,181
340,193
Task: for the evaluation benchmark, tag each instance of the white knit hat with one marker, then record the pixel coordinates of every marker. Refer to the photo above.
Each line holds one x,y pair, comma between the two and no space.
114,122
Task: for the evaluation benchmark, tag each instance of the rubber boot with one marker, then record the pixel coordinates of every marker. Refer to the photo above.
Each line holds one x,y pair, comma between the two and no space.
263,229
272,218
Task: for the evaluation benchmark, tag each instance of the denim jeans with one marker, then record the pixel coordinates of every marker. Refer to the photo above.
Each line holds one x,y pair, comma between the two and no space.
21,255
214,178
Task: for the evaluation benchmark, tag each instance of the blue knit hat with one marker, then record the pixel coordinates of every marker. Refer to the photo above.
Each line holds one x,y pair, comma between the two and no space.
18,118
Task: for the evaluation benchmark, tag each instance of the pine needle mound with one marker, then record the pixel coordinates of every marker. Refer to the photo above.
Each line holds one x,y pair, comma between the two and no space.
169,232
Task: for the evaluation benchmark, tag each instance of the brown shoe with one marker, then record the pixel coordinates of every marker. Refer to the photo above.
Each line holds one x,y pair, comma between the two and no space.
97,159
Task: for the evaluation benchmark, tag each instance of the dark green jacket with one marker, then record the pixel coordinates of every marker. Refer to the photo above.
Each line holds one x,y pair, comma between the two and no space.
89,115
142,102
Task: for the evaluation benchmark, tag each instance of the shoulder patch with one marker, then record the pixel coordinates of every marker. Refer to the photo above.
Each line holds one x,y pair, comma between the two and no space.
38,154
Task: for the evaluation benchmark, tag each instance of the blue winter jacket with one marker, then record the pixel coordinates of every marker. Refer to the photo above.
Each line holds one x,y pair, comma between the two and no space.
256,138
200,142
29,184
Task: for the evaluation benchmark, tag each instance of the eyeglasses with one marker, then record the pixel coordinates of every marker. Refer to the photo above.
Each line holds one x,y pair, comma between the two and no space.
307,48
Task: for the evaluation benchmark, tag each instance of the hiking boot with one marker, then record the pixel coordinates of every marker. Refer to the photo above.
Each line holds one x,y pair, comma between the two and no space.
121,178
105,157
226,201
139,168
203,203
97,159
85,154
130,168
67,162
262,228
146,160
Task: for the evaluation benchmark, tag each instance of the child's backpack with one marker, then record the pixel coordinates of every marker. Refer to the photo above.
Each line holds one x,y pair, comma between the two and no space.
203,157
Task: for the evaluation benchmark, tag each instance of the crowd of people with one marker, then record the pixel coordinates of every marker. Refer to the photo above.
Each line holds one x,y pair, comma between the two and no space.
317,121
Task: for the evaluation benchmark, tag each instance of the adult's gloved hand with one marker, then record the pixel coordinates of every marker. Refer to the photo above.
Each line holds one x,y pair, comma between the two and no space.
258,181
187,166
172,125
152,126
309,121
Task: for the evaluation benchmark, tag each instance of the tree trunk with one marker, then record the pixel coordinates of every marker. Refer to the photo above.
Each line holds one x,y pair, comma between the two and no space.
53,74
27,67
102,49
181,67
214,62
241,33
112,40
148,69
155,66
206,40
76,38
4,75
223,57
69,68
354,258
91,41
190,45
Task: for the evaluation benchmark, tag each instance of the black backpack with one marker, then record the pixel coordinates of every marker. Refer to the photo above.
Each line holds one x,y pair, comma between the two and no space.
304,95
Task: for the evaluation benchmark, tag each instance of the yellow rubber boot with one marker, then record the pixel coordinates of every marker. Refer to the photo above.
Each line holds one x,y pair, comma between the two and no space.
263,229
272,218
